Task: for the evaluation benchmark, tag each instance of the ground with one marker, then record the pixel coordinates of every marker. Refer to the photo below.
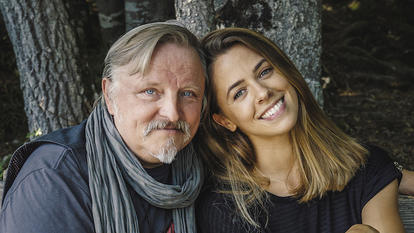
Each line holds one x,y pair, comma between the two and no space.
368,60
368,76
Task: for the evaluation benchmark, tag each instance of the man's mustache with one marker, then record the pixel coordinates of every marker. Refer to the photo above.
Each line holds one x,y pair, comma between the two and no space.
180,125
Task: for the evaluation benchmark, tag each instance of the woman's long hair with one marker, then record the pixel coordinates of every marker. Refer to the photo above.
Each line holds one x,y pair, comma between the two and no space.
327,157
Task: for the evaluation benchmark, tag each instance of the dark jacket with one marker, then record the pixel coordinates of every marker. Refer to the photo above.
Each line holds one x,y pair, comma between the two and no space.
72,138
47,188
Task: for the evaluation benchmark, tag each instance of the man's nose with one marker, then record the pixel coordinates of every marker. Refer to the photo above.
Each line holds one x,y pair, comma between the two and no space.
170,109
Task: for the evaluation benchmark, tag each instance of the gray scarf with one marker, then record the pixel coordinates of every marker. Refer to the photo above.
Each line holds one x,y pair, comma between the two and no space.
111,165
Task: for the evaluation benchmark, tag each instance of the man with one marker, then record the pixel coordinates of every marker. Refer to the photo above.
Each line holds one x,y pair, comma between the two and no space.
130,167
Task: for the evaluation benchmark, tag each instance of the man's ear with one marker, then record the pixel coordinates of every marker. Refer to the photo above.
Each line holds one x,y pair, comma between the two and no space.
106,83
223,121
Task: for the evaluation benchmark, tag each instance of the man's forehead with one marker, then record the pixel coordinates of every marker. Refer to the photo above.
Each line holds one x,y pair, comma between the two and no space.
175,54
157,78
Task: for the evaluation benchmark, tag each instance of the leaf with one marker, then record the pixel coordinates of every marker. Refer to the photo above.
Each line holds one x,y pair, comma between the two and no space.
327,7
354,5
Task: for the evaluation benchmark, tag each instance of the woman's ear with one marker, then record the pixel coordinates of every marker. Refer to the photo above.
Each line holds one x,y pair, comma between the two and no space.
223,121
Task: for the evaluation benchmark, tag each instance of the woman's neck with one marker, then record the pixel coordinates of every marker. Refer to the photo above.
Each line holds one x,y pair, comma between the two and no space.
274,155
276,161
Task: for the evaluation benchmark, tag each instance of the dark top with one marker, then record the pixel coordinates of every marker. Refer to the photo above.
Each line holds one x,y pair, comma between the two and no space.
335,212
48,192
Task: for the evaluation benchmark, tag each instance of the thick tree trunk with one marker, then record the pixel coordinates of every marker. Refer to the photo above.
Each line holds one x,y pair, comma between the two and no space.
118,16
198,16
111,19
294,25
48,59
138,12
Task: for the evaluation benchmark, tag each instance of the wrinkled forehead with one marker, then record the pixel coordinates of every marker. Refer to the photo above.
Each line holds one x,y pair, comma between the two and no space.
168,62
176,52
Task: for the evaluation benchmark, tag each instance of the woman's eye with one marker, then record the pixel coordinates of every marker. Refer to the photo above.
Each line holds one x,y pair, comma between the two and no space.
239,93
265,72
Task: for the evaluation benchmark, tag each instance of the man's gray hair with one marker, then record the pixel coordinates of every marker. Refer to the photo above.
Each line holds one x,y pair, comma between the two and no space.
135,48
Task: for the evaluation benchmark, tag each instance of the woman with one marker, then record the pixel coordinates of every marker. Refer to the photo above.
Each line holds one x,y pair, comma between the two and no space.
278,163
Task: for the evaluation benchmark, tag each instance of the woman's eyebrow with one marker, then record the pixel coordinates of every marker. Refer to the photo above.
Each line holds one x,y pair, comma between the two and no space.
241,81
258,65
233,86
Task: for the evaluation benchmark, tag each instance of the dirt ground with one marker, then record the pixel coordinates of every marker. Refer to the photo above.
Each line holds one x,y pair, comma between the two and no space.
368,76
368,60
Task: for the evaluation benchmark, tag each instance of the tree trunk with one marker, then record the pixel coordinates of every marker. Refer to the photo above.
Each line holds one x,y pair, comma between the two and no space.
198,16
48,59
138,12
294,25
111,19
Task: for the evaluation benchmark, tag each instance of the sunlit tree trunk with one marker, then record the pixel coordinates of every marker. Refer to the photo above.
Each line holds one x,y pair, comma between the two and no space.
119,16
138,12
294,25
197,16
49,61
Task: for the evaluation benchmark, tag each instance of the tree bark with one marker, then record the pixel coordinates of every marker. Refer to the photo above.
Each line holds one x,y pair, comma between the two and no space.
197,16
48,59
111,19
294,25
138,12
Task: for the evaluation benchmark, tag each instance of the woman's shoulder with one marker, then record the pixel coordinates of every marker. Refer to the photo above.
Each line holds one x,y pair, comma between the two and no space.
379,163
215,212
211,201
378,171
377,154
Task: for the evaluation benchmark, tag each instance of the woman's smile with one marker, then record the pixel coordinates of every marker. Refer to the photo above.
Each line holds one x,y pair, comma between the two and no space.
254,97
275,110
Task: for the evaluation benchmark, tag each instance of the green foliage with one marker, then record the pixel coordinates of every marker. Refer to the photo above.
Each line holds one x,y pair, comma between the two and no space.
34,134
354,5
4,162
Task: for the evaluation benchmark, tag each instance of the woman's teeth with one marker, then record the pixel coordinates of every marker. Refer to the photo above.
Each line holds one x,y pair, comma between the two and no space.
274,109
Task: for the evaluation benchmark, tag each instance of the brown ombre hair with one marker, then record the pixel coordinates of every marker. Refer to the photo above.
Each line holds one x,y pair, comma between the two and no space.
327,157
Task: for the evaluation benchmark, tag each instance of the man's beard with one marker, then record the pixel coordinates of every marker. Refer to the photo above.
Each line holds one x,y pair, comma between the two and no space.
167,152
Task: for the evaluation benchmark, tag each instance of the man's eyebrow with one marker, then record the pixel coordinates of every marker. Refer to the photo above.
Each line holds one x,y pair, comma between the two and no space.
258,65
233,86
192,87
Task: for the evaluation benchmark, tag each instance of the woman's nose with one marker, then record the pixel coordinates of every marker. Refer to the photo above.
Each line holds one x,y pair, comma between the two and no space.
262,94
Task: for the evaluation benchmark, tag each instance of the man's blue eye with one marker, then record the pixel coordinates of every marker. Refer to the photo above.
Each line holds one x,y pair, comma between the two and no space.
187,93
149,91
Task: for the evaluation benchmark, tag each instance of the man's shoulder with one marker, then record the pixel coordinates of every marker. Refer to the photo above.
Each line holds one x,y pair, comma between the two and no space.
61,152
48,187
55,150
59,158
49,194
73,137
